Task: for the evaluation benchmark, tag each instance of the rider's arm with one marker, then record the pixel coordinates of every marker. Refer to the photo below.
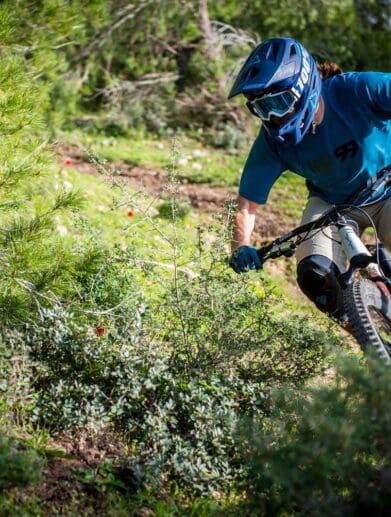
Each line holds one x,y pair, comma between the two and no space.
262,168
244,222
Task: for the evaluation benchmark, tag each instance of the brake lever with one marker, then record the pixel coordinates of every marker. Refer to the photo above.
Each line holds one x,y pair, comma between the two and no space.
274,250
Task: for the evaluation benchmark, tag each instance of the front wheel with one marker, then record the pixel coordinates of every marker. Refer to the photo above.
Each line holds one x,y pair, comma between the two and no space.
369,313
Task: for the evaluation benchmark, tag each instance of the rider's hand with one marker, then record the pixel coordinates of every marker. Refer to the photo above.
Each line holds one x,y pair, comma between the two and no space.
245,258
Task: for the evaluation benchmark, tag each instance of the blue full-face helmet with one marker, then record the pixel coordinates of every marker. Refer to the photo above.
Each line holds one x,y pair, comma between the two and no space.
280,79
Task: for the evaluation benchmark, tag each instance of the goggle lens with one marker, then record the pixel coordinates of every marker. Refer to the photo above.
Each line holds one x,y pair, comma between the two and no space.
278,104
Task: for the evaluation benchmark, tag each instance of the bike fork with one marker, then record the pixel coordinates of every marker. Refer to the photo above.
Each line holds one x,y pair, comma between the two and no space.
360,258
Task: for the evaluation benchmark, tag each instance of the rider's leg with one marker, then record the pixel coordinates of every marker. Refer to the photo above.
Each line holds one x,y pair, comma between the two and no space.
317,278
320,259
381,215
383,220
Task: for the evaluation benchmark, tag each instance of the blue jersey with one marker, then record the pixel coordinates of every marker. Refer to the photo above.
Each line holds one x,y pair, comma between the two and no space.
352,143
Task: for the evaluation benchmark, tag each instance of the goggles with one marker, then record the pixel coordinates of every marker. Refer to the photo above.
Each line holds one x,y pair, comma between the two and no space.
277,104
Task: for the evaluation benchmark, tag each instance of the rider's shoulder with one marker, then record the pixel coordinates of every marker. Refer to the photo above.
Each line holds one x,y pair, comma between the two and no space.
354,80
353,86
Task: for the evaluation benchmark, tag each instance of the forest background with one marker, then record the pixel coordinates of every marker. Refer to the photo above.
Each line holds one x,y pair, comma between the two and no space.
138,374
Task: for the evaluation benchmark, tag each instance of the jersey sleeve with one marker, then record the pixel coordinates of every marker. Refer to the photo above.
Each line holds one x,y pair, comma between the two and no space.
261,170
375,89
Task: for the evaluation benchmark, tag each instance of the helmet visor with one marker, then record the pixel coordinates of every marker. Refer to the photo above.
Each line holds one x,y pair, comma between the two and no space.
277,104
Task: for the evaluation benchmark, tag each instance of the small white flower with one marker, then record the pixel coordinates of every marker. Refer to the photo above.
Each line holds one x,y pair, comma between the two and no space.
61,229
183,161
67,186
160,145
199,152
197,166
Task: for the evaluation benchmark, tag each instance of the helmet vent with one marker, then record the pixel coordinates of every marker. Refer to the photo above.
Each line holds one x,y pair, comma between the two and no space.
253,72
293,51
273,51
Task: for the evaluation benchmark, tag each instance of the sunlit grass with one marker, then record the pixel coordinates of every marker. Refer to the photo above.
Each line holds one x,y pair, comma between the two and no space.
198,163
195,163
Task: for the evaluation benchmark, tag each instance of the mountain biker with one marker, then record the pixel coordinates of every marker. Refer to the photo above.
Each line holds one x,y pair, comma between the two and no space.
332,128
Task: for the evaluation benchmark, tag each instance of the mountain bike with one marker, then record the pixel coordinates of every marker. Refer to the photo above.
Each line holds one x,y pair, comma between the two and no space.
366,284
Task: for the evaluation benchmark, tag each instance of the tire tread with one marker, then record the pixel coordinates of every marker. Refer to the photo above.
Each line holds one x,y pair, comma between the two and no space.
358,296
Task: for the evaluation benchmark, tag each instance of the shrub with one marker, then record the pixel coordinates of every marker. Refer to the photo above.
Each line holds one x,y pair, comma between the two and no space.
16,372
182,209
177,400
179,428
326,450
228,137
19,466
217,322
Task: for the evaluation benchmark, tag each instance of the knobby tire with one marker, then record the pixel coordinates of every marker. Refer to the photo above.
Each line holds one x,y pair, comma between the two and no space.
369,313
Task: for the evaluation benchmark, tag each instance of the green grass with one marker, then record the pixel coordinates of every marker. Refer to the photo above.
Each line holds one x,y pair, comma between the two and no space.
193,161
198,163
152,240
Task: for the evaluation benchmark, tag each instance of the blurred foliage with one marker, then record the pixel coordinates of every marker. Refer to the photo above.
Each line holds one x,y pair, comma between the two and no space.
32,194
328,448
155,64
20,466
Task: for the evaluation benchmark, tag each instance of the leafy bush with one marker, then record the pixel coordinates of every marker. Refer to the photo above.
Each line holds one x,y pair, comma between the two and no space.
179,427
217,322
228,136
216,353
16,373
328,448
182,209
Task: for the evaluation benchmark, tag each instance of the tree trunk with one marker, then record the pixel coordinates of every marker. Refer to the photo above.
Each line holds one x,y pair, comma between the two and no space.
211,50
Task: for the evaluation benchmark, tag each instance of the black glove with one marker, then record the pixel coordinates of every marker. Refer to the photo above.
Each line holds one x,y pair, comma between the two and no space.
245,258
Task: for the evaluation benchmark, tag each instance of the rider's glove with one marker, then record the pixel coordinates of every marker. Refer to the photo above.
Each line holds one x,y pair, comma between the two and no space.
245,258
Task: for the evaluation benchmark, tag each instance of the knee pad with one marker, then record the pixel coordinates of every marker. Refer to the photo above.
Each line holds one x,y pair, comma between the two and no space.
317,278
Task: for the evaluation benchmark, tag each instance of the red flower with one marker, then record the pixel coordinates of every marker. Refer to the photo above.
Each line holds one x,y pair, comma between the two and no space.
130,213
67,161
100,331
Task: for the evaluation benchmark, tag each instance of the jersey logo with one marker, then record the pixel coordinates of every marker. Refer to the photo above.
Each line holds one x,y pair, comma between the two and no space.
344,151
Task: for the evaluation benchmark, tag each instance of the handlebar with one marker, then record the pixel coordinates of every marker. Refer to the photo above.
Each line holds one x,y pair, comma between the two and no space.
287,244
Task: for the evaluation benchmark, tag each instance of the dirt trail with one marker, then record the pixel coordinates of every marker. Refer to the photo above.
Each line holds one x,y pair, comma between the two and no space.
202,197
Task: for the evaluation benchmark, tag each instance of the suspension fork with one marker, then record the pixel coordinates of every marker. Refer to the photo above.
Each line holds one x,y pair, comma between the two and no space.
360,258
